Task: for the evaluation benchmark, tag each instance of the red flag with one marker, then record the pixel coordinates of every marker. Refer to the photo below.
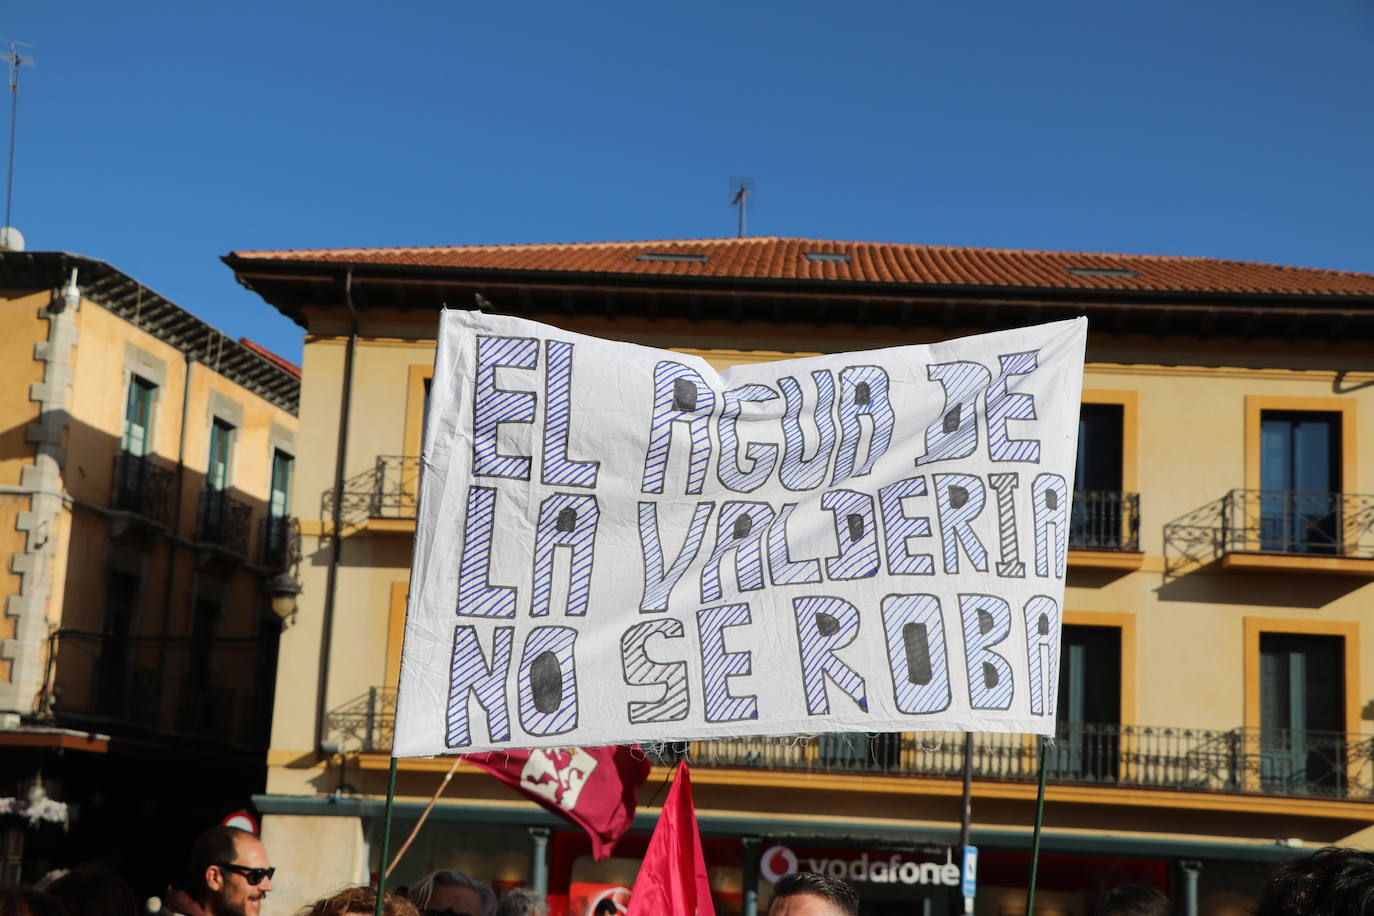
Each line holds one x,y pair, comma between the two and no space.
673,877
594,787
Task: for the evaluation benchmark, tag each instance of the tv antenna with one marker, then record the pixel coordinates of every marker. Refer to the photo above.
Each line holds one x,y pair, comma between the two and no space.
741,189
15,60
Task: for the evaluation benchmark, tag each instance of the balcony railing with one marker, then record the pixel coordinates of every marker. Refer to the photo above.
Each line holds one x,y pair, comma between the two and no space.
1240,760
142,487
1297,522
1277,522
281,542
224,521
388,489
1105,520
158,687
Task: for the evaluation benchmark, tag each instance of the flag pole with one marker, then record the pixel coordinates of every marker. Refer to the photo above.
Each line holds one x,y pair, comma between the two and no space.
424,816
1039,821
386,837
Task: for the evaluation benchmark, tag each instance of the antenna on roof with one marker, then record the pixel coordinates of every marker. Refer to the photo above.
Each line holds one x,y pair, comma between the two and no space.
16,60
741,189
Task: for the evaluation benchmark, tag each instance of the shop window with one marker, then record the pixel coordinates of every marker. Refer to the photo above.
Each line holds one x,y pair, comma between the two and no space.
1302,711
1089,708
1300,481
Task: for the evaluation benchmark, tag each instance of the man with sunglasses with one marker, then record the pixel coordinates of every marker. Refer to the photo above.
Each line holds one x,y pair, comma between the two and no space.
230,876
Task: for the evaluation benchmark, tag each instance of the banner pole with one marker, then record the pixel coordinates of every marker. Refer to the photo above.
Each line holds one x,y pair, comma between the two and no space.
1039,821
386,837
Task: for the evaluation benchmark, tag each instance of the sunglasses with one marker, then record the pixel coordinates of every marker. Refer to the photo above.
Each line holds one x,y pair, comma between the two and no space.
253,876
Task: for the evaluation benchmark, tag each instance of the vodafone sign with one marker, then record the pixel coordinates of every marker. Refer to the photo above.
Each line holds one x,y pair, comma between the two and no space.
856,865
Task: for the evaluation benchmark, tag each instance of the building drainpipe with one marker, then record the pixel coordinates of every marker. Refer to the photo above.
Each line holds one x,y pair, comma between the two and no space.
750,890
1191,870
170,575
539,860
336,548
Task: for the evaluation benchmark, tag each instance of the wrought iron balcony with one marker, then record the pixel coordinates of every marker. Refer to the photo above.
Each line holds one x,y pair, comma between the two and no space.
1105,520
142,487
388,489
1291,521
1240,760
281,542
1275,522
158,688
224,521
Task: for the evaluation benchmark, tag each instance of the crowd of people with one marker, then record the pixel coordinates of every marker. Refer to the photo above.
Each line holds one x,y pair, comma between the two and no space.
231,875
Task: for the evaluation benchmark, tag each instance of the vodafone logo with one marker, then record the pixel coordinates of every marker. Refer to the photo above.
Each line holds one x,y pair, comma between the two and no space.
778,862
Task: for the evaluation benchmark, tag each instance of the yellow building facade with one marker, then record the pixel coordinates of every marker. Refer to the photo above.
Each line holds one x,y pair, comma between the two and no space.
144,484
1215,711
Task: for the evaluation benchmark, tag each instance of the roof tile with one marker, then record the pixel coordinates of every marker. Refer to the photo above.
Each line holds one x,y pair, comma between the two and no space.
870,262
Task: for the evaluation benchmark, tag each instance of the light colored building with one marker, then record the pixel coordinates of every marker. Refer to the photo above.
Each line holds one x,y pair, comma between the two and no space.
1214,708
144,481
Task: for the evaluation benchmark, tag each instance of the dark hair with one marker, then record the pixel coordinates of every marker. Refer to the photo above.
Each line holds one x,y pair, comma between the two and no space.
837,890
1334,881
422,890
1132,900
94,892
360,900
215,846
25,901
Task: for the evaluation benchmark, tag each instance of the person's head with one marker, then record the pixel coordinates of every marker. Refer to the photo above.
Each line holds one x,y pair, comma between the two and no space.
25,901
1334,881
93,892
809,894
1131,900
230,872
360,901
447,891
521,901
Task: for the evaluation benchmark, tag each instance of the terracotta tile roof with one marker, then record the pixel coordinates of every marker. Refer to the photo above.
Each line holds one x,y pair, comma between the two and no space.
276,360
819,261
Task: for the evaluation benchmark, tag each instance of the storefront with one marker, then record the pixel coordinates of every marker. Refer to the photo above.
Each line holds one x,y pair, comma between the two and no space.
892,876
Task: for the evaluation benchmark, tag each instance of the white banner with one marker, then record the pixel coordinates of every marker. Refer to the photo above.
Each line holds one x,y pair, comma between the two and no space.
621,544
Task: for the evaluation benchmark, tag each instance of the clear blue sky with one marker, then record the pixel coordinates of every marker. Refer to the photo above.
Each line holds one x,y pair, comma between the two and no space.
159,136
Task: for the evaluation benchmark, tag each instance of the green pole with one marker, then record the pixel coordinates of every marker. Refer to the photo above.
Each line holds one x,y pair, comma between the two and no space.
1039,820
386,837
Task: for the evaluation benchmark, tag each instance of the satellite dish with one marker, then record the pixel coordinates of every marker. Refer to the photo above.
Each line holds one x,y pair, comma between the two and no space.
11,239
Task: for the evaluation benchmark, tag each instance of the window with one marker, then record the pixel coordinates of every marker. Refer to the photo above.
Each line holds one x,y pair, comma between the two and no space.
221,449
1300,481
1089,708
275,545
279,505
1097,520
121,605
138,416
1302,711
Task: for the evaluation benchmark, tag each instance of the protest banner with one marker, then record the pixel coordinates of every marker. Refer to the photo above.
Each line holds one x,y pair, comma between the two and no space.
621,544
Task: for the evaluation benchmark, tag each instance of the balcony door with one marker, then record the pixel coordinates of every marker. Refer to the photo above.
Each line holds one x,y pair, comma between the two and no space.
1300,474
1089,710
1097,518
138,417
278,508
1302,712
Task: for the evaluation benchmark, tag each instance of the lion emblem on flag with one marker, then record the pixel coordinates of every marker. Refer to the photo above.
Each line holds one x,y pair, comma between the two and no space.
558,774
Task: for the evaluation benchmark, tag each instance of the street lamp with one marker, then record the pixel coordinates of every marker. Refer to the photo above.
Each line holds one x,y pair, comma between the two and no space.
284,588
